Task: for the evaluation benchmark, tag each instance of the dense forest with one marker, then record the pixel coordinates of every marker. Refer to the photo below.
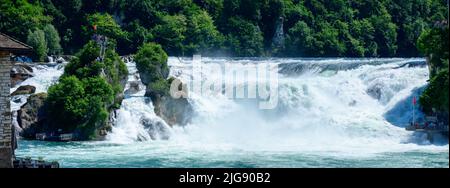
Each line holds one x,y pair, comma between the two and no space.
434,42
301,28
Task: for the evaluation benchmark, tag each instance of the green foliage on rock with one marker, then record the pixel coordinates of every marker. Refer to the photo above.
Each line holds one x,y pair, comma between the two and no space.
87,92
151,61
105,25
159,87
434,43
79,105
436,95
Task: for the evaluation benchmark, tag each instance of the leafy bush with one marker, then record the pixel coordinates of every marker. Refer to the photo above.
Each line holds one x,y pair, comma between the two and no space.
436,95
86,92
151,61
79,106
160,86
67,103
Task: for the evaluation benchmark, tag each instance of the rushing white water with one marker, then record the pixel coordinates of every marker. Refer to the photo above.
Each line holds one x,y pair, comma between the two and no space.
339,105
44,75
331,113
135,108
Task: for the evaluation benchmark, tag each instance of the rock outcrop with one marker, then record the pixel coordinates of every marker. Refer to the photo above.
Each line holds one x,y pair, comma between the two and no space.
134,87
151,62
19,73
32,115
173,111
24,90
157,130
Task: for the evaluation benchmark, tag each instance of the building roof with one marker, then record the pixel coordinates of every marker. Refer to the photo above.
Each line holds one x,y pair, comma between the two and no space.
8,43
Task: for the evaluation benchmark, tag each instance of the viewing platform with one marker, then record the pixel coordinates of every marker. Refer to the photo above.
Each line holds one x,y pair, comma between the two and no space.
431,127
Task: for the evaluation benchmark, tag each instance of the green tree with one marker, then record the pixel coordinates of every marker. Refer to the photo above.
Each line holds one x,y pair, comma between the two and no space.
301,39
214,7
19,16
170,33
364,32
245,38
137,36
67,103
201,34
36,39
327,41
434,43
436,94
385,34
105,25
52,39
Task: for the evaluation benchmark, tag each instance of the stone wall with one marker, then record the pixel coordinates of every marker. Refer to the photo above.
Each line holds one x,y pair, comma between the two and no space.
6,139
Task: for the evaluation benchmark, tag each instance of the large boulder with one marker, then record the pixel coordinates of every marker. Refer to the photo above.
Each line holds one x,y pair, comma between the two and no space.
134,87
173,111
19,73
24,90
157,130
172,106
32,115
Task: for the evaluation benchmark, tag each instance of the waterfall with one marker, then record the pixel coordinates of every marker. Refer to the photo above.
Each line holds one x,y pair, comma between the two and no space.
330,113
136,120
324,104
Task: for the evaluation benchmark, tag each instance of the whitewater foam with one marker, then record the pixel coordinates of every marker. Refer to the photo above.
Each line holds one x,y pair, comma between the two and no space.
353,110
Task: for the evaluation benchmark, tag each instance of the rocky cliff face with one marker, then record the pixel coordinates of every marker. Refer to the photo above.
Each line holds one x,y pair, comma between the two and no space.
24,90
32,116
19,73
151,62
173,111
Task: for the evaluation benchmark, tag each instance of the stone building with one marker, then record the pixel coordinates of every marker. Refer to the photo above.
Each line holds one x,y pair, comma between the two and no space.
8,47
